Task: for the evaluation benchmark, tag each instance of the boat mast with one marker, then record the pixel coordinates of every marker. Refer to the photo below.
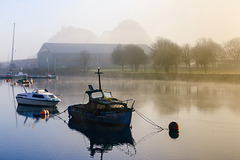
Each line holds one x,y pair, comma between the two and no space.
99,80
13,43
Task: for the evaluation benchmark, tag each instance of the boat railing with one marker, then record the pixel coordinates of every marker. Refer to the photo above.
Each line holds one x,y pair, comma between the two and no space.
129,100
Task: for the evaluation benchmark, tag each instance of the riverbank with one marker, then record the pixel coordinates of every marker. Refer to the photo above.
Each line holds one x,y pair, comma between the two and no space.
195,76
230,78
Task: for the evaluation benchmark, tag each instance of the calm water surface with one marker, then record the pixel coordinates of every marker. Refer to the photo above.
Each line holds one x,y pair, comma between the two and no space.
208,115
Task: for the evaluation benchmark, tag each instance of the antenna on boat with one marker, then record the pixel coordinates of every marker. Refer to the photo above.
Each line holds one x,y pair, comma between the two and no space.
99,80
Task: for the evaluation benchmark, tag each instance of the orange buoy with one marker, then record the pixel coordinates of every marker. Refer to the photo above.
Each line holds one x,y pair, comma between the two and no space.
47,112
173,134
173,130
43,112
173,126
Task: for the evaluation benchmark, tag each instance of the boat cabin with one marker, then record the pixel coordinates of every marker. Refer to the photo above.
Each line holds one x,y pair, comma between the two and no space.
43,93
98,94
103,100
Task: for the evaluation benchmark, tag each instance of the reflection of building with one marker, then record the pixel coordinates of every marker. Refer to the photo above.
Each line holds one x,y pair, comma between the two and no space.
61,55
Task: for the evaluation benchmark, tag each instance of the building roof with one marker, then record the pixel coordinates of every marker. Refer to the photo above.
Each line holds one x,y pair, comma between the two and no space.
91,48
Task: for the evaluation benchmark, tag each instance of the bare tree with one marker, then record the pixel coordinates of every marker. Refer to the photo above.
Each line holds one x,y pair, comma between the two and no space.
165,53
186,56
135,56
205,52
118,56
232,49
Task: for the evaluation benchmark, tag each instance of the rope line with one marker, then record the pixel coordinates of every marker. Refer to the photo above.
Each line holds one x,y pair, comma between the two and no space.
84,98
61,112
144,138
148,120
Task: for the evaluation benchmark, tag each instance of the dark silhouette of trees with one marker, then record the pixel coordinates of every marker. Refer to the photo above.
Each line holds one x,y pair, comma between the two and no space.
169,55
129,55
205,52
118,56
135,56
232,50
84,59
186,56
165,53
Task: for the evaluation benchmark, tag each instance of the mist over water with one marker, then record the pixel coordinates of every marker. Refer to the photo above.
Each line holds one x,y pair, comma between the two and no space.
207,113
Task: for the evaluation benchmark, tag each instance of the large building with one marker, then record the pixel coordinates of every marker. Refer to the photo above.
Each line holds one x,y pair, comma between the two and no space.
53,56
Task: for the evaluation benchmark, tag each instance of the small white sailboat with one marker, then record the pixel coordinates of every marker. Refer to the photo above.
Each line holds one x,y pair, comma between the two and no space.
37,98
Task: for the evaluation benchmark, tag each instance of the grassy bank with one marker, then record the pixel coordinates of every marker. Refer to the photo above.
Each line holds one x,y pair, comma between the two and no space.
194,77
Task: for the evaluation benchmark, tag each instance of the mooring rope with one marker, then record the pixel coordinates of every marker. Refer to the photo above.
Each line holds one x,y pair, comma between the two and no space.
144,138
148,120
84,98
61,119
60,112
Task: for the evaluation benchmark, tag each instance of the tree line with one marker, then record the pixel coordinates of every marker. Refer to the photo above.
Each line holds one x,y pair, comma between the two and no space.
169,55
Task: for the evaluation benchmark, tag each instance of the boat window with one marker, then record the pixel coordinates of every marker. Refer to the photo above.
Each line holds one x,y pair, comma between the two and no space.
38,96
51,96
107,94
97,95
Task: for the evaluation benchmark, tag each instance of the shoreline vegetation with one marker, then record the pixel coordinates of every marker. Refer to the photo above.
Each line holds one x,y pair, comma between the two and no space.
194,76
227,76
189,77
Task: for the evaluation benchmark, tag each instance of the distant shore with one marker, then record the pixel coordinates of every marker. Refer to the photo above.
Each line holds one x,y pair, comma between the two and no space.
229,78
195,76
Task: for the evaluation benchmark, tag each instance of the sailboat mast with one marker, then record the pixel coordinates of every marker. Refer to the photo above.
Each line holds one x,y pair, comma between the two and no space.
13,42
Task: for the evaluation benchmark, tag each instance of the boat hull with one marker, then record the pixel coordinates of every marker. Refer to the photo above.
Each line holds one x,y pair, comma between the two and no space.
34,102
107,118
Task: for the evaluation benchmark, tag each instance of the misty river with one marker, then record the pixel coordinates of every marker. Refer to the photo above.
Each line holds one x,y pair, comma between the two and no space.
208,115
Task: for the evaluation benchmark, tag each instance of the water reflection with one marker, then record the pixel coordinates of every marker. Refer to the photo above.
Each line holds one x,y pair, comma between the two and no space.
208,114
34,112
173,134
103,138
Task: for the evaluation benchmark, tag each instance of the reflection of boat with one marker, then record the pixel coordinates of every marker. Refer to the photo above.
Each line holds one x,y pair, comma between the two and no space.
34,112
103,108
104,138
37,98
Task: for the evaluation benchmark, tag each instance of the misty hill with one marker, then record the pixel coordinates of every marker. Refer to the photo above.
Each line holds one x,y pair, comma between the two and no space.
127,31
74,35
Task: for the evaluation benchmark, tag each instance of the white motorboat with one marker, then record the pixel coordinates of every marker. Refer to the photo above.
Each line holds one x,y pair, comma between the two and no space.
37,98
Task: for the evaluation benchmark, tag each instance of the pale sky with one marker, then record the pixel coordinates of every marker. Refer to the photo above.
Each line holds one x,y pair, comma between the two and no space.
181,21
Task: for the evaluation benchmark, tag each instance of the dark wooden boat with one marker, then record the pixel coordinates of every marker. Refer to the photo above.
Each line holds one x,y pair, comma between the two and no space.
103,108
